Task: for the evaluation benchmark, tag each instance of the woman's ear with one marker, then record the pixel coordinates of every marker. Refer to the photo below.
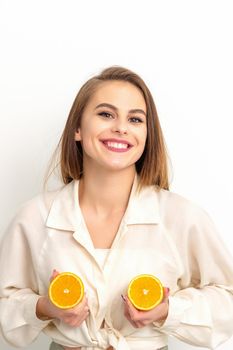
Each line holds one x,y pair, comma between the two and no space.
77,135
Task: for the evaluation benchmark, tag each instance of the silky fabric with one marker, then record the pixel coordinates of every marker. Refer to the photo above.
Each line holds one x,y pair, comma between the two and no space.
161,233
55,346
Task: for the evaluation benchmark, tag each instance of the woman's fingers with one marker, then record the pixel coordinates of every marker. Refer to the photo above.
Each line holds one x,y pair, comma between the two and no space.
75,320
54,274
131,315
78,314
74,316
78,323
139,318
127,315
82,306
79,309
166,292
133,312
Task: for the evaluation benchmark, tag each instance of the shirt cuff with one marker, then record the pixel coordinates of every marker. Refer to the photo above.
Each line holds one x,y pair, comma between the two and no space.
30,312
177,308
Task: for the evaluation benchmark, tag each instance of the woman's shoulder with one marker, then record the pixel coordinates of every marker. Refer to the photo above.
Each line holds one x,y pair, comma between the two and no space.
179,207
37,207
171,197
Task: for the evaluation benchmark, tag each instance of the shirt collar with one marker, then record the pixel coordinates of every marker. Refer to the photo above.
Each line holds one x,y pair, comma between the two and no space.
65,212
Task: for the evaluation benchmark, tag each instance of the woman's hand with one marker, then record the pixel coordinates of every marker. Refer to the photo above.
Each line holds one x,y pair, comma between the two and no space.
74,317
140,318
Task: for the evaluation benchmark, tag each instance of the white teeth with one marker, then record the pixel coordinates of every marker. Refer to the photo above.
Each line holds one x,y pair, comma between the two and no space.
117,145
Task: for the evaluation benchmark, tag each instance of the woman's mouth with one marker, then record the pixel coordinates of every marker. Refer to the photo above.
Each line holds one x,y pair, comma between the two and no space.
117,146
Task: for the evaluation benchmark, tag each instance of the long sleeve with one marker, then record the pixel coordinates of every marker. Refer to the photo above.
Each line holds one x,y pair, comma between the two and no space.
201,310
18,282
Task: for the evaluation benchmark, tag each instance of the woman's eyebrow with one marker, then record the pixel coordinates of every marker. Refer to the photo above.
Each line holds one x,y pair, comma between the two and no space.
136,110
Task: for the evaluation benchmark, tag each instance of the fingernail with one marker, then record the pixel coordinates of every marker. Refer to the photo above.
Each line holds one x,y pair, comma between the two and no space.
123,298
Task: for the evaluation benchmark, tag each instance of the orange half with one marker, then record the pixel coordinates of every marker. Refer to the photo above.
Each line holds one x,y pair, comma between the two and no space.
145,292
66,290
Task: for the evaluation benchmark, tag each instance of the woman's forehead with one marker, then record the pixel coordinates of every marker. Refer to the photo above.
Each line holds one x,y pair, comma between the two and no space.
119,92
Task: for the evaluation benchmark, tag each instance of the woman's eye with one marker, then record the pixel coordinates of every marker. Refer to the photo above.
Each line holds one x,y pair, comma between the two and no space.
136,120
105,114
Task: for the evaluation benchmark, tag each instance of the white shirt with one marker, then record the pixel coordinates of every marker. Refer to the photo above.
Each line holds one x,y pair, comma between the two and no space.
101,256
161,233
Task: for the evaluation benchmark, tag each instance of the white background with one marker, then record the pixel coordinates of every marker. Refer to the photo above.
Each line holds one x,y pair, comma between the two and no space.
182,49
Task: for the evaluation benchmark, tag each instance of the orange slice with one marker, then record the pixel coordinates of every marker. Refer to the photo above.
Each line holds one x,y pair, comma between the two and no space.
66,290
145,292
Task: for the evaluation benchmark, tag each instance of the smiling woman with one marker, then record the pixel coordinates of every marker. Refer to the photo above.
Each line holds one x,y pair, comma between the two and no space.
152,165
112,221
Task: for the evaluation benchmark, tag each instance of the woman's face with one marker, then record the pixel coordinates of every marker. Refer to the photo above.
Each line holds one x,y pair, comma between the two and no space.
113,127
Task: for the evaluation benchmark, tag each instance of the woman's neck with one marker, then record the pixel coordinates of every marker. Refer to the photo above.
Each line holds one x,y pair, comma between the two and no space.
105,193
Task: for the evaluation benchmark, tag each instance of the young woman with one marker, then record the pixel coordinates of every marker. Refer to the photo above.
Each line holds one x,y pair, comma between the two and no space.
113,219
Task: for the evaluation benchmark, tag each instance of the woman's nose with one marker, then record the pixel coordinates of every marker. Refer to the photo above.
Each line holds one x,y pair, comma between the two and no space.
120,127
